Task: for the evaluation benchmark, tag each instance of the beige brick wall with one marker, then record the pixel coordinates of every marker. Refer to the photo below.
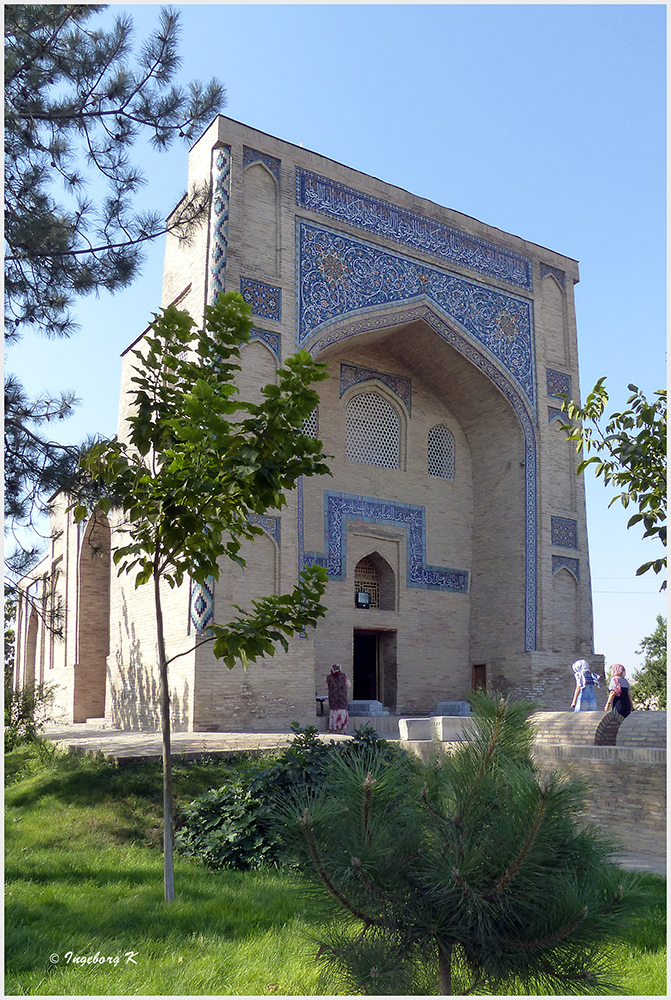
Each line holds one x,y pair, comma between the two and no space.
476,523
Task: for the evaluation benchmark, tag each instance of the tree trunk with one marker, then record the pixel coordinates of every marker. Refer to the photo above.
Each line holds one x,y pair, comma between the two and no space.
168,876
445,970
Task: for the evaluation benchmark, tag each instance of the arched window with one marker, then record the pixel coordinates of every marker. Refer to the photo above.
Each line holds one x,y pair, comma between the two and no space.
440,452
372,431
311,424
366,581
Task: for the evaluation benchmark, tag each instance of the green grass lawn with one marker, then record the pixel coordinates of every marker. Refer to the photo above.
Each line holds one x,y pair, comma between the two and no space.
84,878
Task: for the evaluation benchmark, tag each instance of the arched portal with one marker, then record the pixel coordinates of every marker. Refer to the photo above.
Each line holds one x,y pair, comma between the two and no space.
496,413
93,638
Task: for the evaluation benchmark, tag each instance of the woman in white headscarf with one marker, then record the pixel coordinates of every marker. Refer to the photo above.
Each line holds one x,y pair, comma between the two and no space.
586,683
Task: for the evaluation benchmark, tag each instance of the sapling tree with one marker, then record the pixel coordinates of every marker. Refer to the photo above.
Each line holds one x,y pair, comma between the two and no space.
469,875
629,454
196,463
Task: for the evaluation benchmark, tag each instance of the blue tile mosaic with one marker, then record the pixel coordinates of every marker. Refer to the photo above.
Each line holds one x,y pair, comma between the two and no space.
354,374
419,232
221,193
201,605
271,339
555,414
564,532
271,163
341,507
265,300
339,276
271,525
476,355
555,271
558,384
565,562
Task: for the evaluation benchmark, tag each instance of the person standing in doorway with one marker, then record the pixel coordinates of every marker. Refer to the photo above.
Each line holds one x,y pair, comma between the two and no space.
337,684
586,683
619,692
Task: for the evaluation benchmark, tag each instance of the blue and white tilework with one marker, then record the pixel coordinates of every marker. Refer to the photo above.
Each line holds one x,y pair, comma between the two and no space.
418,232
271,525
272,340
271,163
354,374
556,414
565,562
341,276
265,300
201,605
341,507
564,532
221,193
558,384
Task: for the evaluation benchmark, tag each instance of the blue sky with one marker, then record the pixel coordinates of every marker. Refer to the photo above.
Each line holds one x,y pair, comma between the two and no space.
547,121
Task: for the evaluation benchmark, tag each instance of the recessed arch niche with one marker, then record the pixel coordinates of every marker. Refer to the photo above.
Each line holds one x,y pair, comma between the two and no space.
499,424
93,617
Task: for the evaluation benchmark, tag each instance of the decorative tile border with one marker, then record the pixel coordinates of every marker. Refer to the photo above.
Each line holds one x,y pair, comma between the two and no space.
339,276
271,163
271,525
555,414
354,374
341,507
554,271
565,562
564,532
419,232
271,339
558,384
476,355
265,300
221,194
201,605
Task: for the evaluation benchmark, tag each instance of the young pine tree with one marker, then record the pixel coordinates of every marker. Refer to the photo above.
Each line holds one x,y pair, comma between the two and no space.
470,875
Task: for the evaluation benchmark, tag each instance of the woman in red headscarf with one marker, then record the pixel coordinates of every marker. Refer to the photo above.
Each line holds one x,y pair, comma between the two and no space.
337,683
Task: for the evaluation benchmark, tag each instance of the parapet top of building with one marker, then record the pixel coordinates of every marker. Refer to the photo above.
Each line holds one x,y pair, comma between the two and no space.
374,207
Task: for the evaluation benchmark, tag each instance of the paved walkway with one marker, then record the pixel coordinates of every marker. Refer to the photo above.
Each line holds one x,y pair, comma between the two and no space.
123,746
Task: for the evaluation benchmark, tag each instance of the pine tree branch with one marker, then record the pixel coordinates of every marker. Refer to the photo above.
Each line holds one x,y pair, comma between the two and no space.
551,939
321,871
513,869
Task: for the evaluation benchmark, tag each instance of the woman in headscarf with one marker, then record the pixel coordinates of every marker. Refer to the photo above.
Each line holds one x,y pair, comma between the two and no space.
619,692
337,683
586,683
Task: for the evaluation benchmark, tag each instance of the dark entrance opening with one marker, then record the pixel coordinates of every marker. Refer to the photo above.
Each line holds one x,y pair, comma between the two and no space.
365,683
479,676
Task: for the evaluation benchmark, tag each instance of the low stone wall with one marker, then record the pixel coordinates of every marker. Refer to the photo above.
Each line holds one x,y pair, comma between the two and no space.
622,762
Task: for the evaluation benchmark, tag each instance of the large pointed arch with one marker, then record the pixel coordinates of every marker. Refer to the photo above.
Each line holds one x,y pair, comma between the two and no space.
399,314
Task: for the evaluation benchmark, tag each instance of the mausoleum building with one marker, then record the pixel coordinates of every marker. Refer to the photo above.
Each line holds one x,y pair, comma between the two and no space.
453,525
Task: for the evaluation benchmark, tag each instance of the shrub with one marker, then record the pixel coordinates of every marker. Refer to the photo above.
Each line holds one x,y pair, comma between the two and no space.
234,826
27,710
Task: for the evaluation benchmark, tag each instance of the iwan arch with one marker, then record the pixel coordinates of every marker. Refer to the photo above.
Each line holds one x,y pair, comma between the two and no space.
453,502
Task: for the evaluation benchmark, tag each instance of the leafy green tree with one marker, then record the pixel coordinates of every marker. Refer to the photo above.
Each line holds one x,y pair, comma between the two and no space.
473,877
649,686
77,102
630,455
197,462
10,639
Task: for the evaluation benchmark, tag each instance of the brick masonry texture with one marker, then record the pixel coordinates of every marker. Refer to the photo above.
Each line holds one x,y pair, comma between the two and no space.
452,322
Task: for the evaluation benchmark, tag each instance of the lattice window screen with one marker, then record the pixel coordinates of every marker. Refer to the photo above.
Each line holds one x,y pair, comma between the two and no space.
311,424
441,452
372,431
366,579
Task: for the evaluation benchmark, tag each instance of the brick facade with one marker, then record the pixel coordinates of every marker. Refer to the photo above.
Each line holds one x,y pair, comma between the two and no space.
449,323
